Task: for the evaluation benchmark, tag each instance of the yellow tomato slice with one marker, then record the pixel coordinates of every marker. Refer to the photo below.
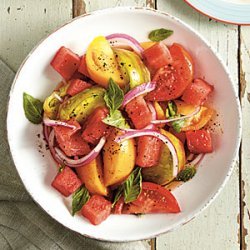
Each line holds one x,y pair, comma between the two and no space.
197,121
184,108
101,63
159,111
148,44
92,176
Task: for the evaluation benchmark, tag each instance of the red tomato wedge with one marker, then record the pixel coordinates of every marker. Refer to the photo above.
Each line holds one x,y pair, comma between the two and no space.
76,86
199,141
173,79
197,92
153,199
148,151
97,209
95,127
139,112
83,66
66,182
65,62
70,140
157,56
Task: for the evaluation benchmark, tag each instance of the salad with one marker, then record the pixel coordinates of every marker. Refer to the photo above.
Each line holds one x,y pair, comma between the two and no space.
126,125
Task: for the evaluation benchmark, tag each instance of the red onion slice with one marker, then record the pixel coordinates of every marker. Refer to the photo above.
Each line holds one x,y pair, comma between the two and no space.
118,40
148,127
46,132
81,161
197,110
51,141
165,139
50,123
137,91
195,161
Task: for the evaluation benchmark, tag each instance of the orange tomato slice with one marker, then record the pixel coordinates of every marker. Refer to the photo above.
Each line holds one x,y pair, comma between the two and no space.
148,44
197,121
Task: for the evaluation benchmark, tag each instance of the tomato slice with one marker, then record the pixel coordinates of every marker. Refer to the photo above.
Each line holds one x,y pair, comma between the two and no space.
95,127
139,112
157,56
173,79
148,151
97,209
153,199
70,140
102,64
76,86
199,141
147,44
197,92
66,182
65,62
197,121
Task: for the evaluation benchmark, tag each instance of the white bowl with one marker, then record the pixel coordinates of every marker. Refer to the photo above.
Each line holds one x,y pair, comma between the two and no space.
35,165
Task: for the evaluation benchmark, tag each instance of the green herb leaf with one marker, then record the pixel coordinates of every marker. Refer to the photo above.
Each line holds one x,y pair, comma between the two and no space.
113,96
172,109
80,197
33,108
178,125
171,112
116,119
159,34
186,174
133,186
118,194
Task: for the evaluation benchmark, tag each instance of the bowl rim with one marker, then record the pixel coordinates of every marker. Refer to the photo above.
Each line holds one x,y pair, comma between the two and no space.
238,139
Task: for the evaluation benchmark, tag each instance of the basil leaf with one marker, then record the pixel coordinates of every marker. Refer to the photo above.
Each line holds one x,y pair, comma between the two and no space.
33,108
118,194
178,125
116,119
186,174
113,96
80,197
159,34
133,186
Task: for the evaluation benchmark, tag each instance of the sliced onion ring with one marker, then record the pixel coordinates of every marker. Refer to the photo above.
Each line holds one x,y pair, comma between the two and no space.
148,132
118,40
51,141
46,132
196,160
137,91
197,110
50,123
81,161
148,127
